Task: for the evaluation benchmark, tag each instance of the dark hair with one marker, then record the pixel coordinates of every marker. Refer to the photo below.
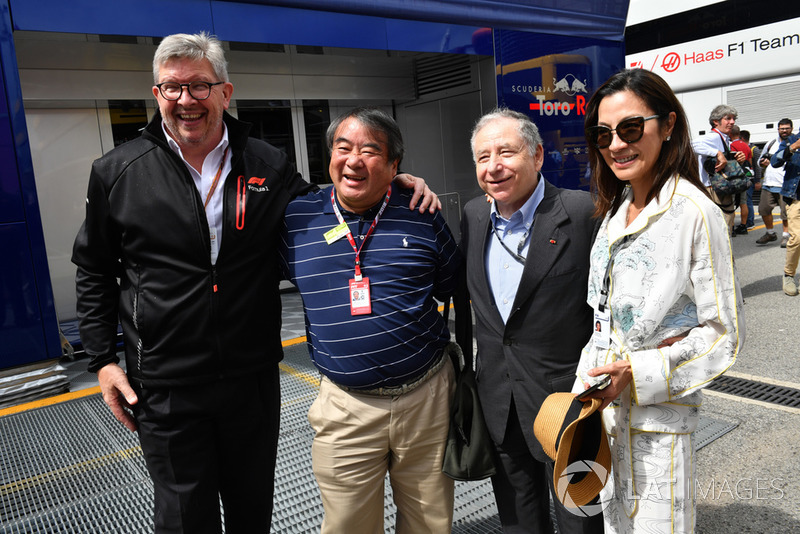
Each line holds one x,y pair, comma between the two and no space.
377,121
786,121
745,135
676,156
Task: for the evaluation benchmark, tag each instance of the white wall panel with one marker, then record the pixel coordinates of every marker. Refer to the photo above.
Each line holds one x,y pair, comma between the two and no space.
64,142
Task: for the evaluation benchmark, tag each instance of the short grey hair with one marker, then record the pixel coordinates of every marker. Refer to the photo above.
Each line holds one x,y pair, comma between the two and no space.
197,46
721,111
527,129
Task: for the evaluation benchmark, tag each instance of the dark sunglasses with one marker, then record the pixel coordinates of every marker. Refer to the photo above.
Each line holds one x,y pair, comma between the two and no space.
629,130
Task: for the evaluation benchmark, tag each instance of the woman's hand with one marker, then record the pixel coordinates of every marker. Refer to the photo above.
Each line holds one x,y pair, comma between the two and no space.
621,376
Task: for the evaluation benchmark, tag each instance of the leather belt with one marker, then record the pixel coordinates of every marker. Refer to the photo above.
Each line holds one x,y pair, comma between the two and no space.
393,391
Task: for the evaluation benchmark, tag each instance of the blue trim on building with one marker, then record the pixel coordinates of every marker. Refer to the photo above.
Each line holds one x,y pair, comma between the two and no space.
28,323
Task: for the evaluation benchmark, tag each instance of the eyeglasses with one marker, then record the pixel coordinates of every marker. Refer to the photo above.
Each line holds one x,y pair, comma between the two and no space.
629,130
197,90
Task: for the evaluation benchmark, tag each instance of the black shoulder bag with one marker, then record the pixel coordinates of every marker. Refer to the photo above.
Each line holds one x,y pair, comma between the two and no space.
469,453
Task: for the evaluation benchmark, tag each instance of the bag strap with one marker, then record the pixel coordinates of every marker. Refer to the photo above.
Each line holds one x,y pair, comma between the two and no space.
465,361
727,147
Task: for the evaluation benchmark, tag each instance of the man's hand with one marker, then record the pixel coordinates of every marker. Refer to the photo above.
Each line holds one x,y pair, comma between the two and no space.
621,376
721,162
740,157
795,146
429,199
118,394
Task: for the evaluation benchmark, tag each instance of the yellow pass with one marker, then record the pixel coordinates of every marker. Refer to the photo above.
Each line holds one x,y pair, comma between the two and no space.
336,233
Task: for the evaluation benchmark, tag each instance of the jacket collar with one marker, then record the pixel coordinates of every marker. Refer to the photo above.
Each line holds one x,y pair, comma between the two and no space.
617,225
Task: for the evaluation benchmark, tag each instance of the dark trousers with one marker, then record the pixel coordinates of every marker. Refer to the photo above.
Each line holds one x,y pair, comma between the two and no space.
522,489
209,442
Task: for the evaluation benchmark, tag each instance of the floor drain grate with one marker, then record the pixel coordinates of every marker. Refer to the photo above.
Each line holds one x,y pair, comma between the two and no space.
761,391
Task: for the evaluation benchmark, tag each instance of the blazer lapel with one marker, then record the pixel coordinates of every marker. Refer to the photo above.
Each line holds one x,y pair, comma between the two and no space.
547,242
480,241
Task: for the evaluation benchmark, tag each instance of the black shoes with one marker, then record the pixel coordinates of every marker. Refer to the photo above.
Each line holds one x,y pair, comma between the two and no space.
767,238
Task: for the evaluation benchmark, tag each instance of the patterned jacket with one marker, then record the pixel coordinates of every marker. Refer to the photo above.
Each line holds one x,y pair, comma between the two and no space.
672,273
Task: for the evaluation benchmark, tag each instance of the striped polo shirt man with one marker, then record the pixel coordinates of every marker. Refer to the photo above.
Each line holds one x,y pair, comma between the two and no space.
409,259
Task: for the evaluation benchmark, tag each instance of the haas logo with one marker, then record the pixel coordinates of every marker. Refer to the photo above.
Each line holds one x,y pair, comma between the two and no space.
569,85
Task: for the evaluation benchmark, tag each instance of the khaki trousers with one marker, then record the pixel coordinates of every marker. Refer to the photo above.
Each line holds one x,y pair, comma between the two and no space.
727,205
361,437
793,246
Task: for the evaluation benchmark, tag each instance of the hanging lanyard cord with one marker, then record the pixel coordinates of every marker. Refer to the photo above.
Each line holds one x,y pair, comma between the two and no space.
352,241
518,254
607,278
216,178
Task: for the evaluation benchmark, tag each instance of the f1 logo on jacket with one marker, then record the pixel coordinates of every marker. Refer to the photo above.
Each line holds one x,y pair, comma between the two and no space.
254,184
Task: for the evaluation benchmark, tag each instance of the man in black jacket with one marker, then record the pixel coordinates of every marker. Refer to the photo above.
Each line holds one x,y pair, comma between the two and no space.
179,244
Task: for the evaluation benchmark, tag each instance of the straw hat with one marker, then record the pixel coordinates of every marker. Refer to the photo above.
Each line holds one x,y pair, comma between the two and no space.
571,433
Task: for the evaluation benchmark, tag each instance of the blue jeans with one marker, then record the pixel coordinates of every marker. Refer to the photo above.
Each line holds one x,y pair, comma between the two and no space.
751,214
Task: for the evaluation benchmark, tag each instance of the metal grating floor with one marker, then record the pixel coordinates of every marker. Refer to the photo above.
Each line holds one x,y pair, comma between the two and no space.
71,468
751,389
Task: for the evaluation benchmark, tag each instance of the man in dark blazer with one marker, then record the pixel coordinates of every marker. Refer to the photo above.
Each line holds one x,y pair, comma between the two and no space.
527,260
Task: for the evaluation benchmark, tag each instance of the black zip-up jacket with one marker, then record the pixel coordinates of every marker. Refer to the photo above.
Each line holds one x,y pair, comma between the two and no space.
184,321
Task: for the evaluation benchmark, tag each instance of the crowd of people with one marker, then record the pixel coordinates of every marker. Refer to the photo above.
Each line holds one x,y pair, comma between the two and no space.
773,169
190,228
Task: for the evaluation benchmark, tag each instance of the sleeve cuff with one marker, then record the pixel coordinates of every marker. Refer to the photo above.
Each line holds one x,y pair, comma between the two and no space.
99,361
650,377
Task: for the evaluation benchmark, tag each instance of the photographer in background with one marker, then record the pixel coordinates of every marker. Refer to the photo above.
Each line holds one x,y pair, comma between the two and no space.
788,157
771,187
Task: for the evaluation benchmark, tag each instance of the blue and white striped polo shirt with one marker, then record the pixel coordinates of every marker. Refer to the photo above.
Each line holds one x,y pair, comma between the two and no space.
409,258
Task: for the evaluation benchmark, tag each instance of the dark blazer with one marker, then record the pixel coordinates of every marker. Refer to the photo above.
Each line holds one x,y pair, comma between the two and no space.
537,351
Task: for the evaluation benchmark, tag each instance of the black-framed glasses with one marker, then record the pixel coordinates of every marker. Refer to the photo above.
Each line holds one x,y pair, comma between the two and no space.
629,130
197,90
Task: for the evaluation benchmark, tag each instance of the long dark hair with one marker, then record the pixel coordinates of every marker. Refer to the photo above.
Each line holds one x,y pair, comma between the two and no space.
676,156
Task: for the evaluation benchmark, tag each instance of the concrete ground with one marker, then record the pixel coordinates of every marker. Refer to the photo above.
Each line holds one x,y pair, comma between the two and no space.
748,481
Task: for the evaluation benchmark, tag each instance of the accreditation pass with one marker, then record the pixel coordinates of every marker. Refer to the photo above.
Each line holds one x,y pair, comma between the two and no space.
360,303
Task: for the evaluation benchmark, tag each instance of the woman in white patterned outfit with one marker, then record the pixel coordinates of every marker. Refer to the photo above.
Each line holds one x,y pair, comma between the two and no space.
664,288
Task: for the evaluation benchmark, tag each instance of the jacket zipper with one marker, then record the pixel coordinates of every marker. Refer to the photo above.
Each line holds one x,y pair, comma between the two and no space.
241,197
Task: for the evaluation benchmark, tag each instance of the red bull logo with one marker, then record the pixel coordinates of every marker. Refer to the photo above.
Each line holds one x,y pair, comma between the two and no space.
569,85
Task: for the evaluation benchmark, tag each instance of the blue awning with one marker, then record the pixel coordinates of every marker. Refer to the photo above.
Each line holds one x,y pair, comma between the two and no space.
596,19
422,25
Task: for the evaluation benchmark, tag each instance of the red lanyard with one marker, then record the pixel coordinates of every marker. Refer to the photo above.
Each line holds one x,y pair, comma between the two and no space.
216,178
357,250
